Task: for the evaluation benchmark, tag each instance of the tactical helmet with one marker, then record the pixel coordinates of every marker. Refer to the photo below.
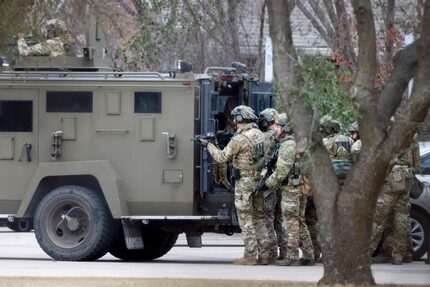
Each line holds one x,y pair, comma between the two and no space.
354,128
243,113
266,118
282,119
55,26
329,125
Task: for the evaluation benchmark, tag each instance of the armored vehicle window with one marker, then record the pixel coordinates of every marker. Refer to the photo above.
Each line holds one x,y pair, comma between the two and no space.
147,102
16,116
69,102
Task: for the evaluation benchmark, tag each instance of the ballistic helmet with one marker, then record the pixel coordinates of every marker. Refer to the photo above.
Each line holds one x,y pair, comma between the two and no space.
243,113
282,119
354,128
329,125
266,118
55,27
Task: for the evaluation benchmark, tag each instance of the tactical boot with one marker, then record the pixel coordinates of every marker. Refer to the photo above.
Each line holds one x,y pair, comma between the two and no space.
380,259
287,262
266,261
307,262
407,259
245,261
396,261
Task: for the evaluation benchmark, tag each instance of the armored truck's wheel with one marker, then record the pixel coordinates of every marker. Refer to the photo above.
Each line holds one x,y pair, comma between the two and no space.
156,244
74,223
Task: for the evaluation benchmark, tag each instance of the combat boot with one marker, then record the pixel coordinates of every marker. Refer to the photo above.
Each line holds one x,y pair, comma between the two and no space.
407,259
307,262
266,261
380,259
396,261
287,262
245,261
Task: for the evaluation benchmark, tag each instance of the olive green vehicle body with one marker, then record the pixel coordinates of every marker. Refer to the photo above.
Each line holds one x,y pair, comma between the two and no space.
112,148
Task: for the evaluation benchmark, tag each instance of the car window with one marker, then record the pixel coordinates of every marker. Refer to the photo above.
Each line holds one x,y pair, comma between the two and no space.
425,163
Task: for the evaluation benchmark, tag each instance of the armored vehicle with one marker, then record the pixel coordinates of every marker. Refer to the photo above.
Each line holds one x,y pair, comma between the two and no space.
101,161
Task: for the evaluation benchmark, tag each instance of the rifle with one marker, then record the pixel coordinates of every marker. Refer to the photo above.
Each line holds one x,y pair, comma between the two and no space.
220,138
268,168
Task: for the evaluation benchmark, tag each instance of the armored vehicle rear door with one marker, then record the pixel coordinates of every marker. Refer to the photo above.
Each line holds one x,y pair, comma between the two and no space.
261,96
18,144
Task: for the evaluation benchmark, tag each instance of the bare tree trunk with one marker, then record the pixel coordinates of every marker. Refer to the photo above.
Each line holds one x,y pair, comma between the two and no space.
233,28
260,39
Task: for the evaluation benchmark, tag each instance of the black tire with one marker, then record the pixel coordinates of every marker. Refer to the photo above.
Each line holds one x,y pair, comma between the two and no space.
420,228
156,244
21,225
73,223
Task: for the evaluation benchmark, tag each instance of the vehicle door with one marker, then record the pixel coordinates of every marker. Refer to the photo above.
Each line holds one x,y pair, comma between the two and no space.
18,145
261,96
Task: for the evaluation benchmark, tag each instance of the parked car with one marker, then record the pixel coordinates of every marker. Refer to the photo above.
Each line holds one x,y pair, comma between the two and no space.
420,207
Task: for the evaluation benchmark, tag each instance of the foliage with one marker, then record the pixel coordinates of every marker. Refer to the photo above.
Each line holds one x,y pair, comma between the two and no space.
326,86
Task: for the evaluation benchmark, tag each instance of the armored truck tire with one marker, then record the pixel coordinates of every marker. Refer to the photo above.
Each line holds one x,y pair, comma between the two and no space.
156,244
20,225
73,223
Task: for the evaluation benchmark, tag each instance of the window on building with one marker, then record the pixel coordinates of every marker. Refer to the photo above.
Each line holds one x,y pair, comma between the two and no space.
16,116
69,102
147,102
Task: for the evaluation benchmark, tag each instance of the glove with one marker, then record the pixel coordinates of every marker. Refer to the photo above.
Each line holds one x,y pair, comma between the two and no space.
261,186
204,142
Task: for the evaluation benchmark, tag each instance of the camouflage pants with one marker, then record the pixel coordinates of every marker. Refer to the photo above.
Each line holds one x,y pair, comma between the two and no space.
250,213
394,205
291,211
273,219
305,237
269,218
387,246
281,233
312,223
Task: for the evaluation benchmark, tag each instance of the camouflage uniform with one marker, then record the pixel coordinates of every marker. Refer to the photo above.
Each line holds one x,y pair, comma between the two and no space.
291,199
273,210
355,150
250,208
394,201
56,46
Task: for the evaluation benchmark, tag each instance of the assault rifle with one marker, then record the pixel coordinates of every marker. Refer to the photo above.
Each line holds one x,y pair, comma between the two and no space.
220,138
268,168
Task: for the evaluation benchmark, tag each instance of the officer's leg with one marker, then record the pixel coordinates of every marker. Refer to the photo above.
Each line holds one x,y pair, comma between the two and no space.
305,238
244,208
269,218
290,208
279,227
261,232
311,220
383,208
400,226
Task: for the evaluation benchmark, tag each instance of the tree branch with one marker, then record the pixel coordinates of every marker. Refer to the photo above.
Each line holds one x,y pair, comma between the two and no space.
322,18
314,22
406,64
363,90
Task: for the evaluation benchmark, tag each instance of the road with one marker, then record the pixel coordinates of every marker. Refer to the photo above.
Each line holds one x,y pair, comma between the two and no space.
20,255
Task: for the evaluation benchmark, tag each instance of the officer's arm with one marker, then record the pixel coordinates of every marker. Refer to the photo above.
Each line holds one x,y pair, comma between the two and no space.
287,154
227,154
40,49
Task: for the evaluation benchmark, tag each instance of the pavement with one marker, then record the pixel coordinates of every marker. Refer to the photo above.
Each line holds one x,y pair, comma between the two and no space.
21,256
